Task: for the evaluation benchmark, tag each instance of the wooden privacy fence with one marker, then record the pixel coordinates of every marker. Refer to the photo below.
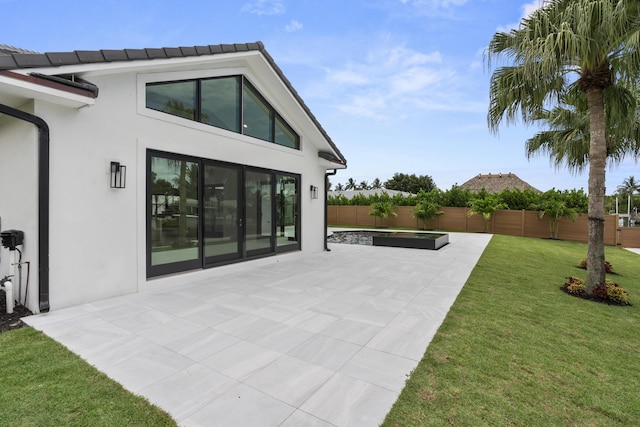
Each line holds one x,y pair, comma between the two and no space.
509,222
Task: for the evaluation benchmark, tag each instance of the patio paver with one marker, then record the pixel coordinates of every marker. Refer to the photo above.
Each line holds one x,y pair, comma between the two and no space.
326,339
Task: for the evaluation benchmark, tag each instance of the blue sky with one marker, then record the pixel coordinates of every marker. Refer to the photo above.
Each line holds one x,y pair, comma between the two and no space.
399,85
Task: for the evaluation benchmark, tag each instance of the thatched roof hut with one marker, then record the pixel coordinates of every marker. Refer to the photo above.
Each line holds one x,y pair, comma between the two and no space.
495,183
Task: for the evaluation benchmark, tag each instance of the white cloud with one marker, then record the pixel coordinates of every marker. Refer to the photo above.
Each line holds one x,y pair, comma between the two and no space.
293,26
347,77
264,7
389,82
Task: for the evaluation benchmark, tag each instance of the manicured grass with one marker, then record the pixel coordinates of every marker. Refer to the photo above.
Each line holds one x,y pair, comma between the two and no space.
44,384
515,350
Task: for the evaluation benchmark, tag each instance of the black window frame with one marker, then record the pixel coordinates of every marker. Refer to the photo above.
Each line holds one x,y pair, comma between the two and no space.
201,262
273,113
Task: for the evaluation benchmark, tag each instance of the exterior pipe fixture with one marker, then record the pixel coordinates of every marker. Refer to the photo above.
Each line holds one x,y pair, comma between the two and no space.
43,200
326,207
8,290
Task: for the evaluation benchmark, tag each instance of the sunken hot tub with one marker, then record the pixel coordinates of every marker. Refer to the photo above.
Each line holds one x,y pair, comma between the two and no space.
397,239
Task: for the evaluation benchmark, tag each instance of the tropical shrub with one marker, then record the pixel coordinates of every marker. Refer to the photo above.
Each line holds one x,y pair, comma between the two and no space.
425,211
608,268
554,206
486,204
608,292
382,209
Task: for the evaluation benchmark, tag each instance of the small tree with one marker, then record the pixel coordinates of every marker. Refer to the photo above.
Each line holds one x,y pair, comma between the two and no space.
426,210
556,210
486,205
382,209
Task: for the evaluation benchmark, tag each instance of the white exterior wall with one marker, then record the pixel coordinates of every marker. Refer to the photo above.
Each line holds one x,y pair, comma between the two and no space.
19,199
98,234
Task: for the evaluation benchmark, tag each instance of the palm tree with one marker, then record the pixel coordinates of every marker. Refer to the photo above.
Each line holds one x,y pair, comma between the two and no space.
364,185
376,184
629,186
567,139
593,45
350,185
486,205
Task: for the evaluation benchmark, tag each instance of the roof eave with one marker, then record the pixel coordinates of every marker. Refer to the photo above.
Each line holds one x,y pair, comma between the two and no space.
23,88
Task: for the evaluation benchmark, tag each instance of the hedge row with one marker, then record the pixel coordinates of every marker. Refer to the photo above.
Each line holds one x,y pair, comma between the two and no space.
456,197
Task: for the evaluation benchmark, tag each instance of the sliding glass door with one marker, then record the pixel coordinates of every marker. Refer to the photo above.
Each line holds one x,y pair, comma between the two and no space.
259,212
202,213
223,216
173,214
287,227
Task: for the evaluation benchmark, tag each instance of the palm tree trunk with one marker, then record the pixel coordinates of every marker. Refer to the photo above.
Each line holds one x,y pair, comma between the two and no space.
597,162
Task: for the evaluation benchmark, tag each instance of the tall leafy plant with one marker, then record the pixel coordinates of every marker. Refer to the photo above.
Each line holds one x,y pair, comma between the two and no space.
591,45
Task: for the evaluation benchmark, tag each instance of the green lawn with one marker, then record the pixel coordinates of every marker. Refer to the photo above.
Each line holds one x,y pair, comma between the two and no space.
515,350
44,384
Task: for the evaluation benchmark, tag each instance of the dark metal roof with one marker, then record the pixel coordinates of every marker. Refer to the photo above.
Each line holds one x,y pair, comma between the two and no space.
12,58
5,49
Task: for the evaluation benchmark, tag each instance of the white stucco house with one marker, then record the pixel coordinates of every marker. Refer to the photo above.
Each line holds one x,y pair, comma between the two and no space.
132,169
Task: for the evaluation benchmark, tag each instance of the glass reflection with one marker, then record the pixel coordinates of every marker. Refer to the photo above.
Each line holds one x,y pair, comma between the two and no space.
174,211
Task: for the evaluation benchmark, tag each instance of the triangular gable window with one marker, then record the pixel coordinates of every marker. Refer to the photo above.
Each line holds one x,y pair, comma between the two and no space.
230,103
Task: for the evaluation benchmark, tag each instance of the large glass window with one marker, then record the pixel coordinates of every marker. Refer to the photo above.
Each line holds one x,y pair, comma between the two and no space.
176,98
257,115
222,213
202,213
258,206
230,103
284,135
286,210
174,216
221,103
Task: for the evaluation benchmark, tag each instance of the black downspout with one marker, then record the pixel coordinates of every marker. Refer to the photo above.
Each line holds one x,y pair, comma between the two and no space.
326,207
43,200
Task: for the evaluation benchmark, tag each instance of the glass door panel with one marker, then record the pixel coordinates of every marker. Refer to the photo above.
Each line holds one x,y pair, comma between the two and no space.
174,220
286,212
222,206
259,208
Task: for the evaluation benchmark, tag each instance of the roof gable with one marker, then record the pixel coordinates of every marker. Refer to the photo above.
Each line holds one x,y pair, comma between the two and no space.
12,58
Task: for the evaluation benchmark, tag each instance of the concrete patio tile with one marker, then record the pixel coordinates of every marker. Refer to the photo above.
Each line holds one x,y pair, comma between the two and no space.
202,344
351,331
281,337
347,401
105,357
401,344
148,367
241,406
301,418
143,319
94,334
245,326
290,380
414,324
241,360
325,351
379,368
295,340
212,314
170,331
201,384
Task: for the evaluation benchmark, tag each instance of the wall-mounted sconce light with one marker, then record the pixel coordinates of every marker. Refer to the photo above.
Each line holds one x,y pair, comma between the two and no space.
314,192
118,175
